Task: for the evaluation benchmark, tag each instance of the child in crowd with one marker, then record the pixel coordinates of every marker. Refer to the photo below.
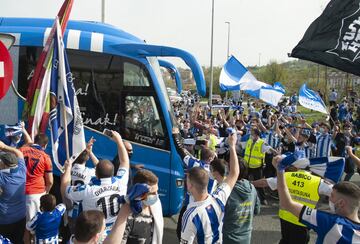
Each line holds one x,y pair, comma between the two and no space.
46,223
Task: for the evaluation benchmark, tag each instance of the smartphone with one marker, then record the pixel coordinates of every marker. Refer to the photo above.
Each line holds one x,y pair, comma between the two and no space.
107,132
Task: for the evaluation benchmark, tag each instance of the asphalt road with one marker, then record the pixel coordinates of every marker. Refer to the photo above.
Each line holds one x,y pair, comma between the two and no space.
266,225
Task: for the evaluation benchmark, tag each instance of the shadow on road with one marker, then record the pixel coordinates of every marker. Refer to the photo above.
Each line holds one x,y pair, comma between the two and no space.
265,236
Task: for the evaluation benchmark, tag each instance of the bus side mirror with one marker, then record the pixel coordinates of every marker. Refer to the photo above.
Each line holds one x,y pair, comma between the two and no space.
7,39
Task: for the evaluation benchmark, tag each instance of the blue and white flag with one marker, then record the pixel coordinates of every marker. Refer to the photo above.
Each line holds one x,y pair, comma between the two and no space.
330,168
270,95
312,100
234,77
65,111
278,86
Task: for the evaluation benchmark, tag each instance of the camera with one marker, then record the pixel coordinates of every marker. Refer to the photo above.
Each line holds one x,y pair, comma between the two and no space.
107,132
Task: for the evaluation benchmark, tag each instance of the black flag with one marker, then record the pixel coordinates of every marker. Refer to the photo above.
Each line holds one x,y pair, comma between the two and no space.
333,39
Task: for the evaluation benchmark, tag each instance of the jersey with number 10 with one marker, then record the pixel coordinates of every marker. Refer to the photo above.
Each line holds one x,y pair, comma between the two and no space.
101,194
38,163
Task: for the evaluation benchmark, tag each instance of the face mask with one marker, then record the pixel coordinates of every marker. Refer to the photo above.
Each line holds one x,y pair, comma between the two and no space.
332,207
321,130
135,120
150,200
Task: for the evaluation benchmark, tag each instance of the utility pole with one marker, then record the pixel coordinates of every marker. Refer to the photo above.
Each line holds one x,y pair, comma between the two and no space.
211,56
259,59
326,83
103,11
228,51
228,44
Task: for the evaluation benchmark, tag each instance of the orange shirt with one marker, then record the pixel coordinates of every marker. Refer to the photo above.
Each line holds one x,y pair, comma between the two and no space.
38,163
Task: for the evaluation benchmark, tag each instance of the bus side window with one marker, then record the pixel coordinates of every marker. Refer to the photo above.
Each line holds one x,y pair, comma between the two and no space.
135,75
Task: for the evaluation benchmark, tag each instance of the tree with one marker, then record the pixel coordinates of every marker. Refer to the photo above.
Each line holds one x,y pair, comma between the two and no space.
216,76
273,72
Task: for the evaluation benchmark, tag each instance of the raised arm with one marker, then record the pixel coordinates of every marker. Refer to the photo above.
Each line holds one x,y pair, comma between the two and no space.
66,181
261,125
354,158
89,147
118,229
285,199
234,163
122,153
13,150
291,137
27,137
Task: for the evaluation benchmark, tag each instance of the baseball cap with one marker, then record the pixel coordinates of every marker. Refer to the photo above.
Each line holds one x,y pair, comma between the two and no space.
9,159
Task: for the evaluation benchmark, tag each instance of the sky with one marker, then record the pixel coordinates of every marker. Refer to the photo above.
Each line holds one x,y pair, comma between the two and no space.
260,30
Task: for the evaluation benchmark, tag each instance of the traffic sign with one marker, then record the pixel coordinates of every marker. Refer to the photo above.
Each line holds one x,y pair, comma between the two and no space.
6,70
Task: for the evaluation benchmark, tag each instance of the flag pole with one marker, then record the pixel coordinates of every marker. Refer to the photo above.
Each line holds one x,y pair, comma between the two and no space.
66,133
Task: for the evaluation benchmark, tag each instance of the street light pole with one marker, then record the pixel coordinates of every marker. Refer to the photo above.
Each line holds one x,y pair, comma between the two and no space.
103,11
211,55
259,59
228,51
228,45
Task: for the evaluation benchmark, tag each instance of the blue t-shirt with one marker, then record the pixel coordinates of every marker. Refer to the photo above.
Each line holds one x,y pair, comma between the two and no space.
12,193
4,240
330,228
46,225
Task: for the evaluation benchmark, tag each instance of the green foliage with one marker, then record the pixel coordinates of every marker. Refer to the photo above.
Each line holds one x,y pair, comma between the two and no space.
273,72
216,76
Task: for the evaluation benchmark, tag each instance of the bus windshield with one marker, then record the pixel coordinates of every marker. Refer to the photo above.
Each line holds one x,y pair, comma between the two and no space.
156,67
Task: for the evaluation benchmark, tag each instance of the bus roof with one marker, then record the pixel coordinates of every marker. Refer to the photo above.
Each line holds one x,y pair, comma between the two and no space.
96,37
89,26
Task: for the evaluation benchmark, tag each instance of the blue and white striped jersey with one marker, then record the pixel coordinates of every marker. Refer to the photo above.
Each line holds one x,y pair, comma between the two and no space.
305,151
46,225
101,194
272,139
323,145
330,228
191,162
203,220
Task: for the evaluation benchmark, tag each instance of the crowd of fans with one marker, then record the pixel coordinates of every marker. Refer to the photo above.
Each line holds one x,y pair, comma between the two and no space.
231,153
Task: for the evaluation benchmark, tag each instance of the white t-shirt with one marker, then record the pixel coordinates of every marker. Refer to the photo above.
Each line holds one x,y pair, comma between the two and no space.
81,175
101,194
